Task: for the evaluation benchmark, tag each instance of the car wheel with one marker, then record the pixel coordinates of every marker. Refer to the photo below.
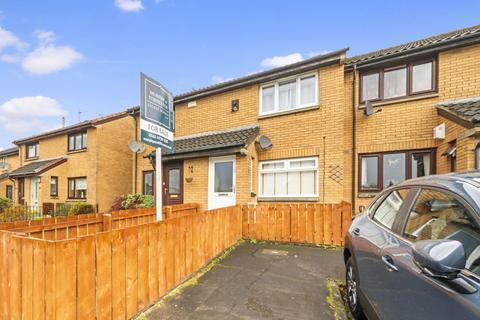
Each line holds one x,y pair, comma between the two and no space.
351,278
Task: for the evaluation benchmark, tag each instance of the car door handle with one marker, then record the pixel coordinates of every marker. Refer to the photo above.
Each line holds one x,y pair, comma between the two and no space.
356,232
388,261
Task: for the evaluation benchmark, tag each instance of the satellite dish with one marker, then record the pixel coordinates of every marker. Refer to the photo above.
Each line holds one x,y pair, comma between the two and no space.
265,143
135,146
368,111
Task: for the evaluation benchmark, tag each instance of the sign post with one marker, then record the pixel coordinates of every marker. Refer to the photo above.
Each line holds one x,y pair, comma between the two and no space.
156,126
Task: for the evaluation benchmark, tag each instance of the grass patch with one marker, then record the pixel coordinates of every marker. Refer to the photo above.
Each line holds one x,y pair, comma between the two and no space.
336,299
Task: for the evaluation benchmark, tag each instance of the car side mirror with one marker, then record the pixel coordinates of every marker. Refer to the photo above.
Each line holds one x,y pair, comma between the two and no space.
440,258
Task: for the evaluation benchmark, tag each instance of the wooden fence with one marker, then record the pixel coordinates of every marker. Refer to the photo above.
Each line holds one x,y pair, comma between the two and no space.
63,228
109,275
129,262
297,223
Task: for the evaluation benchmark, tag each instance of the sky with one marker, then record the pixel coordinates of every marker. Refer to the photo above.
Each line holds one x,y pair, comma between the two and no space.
59,58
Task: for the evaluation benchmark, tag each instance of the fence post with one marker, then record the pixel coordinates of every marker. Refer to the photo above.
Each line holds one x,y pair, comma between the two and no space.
107,222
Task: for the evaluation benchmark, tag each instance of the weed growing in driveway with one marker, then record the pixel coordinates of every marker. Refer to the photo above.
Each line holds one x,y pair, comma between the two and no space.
335,299
192,281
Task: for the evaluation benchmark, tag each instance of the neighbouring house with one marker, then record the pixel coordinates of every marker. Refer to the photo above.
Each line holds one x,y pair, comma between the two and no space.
303,133
86,162
9,160
426,110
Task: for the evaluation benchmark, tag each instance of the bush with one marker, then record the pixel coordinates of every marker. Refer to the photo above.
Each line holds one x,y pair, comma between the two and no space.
80,208
5,203
133,201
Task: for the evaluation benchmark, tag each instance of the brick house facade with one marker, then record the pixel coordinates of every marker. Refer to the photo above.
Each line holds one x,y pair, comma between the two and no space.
89,161
397,140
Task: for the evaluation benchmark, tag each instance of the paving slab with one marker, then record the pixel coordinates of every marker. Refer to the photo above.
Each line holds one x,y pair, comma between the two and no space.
262,281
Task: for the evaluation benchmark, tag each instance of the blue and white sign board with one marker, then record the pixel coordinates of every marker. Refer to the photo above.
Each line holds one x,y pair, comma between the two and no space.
156,114
156,127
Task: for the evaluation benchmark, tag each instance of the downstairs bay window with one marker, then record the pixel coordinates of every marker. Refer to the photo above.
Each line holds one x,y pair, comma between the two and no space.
382,170
290,178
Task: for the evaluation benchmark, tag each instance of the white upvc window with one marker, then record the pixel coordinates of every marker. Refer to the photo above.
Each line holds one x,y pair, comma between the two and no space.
289,178
289,94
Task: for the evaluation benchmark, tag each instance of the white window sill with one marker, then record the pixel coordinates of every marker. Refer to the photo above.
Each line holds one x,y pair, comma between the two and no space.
288,199
281,113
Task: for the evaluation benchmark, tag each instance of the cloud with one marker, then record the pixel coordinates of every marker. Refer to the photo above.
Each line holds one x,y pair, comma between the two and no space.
10,41
129,5
45,37
30,114
280,61
48,59
44,59
218,79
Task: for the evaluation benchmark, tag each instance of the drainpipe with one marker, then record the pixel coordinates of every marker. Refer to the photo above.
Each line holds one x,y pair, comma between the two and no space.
354,136
135,161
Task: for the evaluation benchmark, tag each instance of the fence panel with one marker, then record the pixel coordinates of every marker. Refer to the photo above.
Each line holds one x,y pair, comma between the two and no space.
297,223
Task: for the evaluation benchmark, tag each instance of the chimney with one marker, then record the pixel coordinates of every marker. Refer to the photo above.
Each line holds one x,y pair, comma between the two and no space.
63,122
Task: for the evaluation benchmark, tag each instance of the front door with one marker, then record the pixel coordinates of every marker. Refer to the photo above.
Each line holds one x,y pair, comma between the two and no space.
172,183
221,182
34,186
21,191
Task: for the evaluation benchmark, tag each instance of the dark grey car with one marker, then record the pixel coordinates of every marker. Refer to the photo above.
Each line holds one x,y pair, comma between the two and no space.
415,252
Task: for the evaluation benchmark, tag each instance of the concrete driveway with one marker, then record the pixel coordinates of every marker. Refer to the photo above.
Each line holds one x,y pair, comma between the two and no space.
262,281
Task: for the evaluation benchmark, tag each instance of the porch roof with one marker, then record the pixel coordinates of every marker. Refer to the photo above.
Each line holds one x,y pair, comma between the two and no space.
36,167
3,176
205,144
465,112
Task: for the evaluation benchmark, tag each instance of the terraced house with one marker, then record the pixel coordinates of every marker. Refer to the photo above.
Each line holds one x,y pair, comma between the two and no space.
9,161
88,162
327,129
425,98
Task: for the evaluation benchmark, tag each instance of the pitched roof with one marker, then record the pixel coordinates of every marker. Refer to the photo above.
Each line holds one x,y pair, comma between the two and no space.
9,152
264,76
75,127
465,112
417,45
36,167
223,142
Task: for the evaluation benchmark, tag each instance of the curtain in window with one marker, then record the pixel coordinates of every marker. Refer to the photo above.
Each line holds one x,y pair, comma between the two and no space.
287,95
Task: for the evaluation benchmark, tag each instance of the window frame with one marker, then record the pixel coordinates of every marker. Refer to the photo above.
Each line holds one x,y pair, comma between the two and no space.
287,169
37,150
409,80
75,188
54,194
477,156
144,173
84,142
298,105
399,217
7,188
408,166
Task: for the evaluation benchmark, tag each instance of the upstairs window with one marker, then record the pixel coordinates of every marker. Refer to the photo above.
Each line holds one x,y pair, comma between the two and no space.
398,81
289,94
32,150
77,141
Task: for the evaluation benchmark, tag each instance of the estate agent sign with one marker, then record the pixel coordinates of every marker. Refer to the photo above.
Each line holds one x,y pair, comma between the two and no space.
156,114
